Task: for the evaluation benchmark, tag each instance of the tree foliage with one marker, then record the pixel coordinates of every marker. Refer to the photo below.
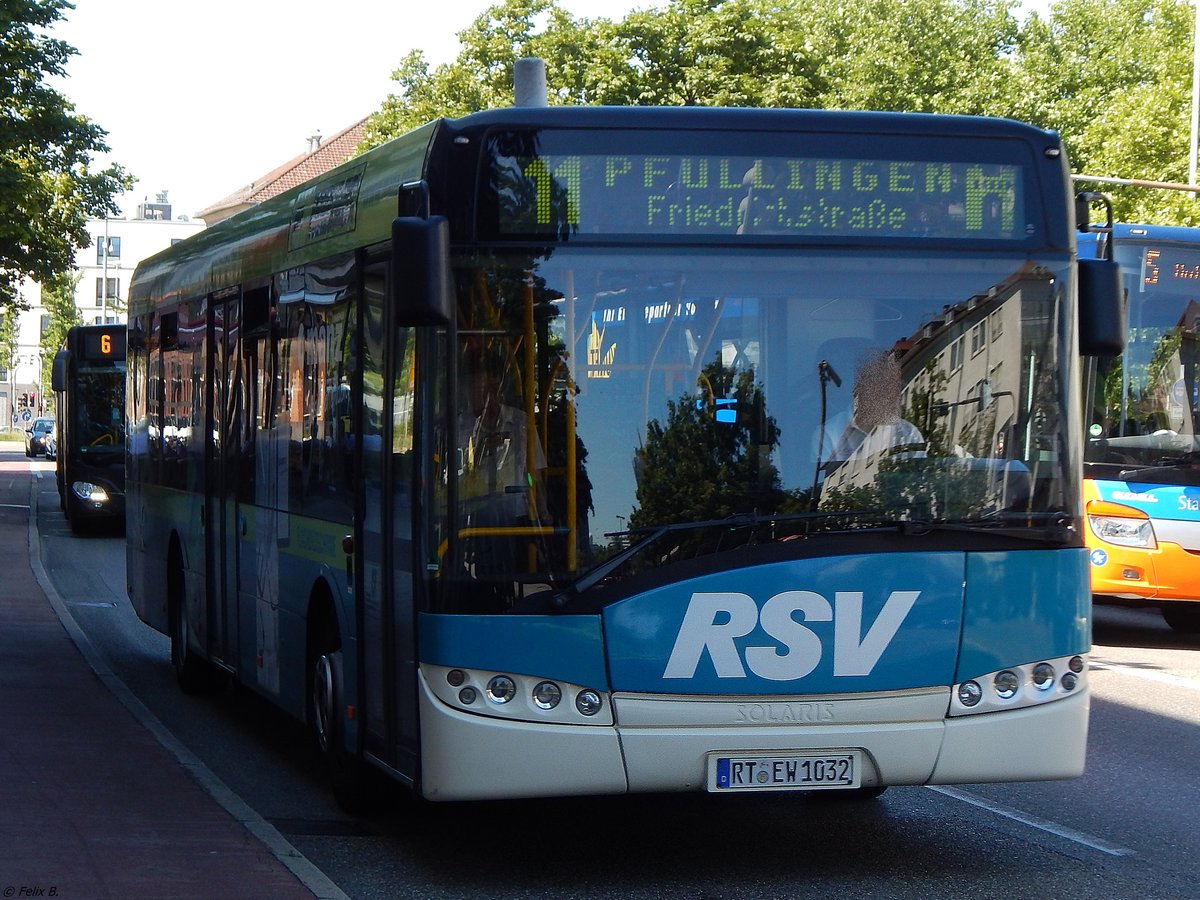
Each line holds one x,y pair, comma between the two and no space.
10,333
1113,76
48,188
698,465
58,298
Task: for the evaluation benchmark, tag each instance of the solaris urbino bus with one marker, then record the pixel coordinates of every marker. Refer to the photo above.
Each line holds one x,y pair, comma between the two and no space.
1142,462
557,451
88,379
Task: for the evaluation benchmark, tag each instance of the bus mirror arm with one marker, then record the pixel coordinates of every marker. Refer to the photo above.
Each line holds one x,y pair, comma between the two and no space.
421,281
1083,215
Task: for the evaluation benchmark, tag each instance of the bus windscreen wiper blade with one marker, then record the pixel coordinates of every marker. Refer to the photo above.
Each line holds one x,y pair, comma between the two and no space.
652,533
1043,526
1168,468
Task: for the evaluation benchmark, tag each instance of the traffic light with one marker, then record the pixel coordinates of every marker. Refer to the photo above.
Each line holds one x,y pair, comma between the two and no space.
24,401
33,401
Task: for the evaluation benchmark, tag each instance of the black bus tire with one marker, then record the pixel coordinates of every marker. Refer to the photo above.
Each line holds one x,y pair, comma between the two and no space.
1183,617
356,785
852,795
194,674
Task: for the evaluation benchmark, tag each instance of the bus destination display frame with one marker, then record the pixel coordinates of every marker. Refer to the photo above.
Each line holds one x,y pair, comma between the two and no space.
583,185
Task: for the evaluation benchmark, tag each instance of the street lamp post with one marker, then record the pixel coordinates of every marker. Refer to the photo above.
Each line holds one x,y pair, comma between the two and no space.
104,286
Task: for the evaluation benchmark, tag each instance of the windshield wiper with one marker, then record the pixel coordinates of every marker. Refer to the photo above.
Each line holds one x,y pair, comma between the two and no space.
1026,525
599,572
1166,468
1045,526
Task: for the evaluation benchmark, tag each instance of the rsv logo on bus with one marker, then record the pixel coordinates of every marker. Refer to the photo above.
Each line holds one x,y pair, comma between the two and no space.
715,623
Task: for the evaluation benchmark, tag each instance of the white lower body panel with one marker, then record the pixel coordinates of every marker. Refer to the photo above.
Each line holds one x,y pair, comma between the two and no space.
472,757
1037,743
663,744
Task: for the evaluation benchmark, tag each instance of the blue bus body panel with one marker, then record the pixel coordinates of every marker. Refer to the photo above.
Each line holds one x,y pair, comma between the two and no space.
845,624
1180,503
568,648
1025,607
811,626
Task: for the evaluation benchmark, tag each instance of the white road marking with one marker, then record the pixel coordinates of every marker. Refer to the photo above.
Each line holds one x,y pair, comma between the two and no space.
1148,674
1054,828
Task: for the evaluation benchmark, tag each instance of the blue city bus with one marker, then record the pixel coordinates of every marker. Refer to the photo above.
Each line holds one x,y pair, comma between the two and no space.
564,451
1142,458
88,378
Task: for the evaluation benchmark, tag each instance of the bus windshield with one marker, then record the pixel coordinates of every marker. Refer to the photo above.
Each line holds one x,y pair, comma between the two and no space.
1145,403
709,399
100,409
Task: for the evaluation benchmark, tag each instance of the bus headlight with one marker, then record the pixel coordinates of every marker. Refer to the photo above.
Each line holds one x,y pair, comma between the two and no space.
1015,687
89,493
970,693
1124,532
1006,684
524,698
1043,676
1121,525
546,695
588,702
501,689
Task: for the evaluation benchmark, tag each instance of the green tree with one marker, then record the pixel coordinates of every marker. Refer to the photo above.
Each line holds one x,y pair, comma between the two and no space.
9,336
940,56
1115,78
58,297
48,189
481,76
706,53
698,466
933,55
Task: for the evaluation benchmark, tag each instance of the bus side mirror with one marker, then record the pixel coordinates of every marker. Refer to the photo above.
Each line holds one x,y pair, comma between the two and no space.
421,281
58,372
1102,325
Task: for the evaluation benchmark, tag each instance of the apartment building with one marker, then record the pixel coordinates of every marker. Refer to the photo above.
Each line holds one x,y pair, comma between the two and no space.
105,268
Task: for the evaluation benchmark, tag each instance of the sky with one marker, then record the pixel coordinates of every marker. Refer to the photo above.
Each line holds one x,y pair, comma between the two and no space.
200,99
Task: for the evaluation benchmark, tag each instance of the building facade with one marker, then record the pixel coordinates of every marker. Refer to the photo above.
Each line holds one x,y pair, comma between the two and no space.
105,268
118,245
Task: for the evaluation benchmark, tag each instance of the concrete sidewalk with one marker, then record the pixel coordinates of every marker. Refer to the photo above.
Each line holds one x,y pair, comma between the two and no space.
97,800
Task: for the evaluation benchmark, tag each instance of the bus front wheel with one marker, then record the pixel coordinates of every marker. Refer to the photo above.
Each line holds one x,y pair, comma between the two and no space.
866,792
1182,616
355,784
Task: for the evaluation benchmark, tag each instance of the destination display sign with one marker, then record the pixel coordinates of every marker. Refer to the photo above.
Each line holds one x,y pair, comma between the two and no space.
1171,267
597,194
105,345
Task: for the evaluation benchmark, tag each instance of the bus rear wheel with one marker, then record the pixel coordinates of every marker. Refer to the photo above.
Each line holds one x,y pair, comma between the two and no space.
1182,616
194,674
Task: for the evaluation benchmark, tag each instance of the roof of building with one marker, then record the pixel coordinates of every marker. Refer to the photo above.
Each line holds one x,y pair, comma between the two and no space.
328,153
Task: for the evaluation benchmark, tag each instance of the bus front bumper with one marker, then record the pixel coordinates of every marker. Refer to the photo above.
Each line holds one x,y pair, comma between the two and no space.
1168,572
663,744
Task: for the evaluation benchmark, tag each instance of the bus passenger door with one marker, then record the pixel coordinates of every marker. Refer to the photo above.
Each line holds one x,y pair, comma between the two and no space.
223,441
388,638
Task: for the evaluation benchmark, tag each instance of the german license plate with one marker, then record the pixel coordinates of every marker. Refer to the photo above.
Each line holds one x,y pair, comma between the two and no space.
785,772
